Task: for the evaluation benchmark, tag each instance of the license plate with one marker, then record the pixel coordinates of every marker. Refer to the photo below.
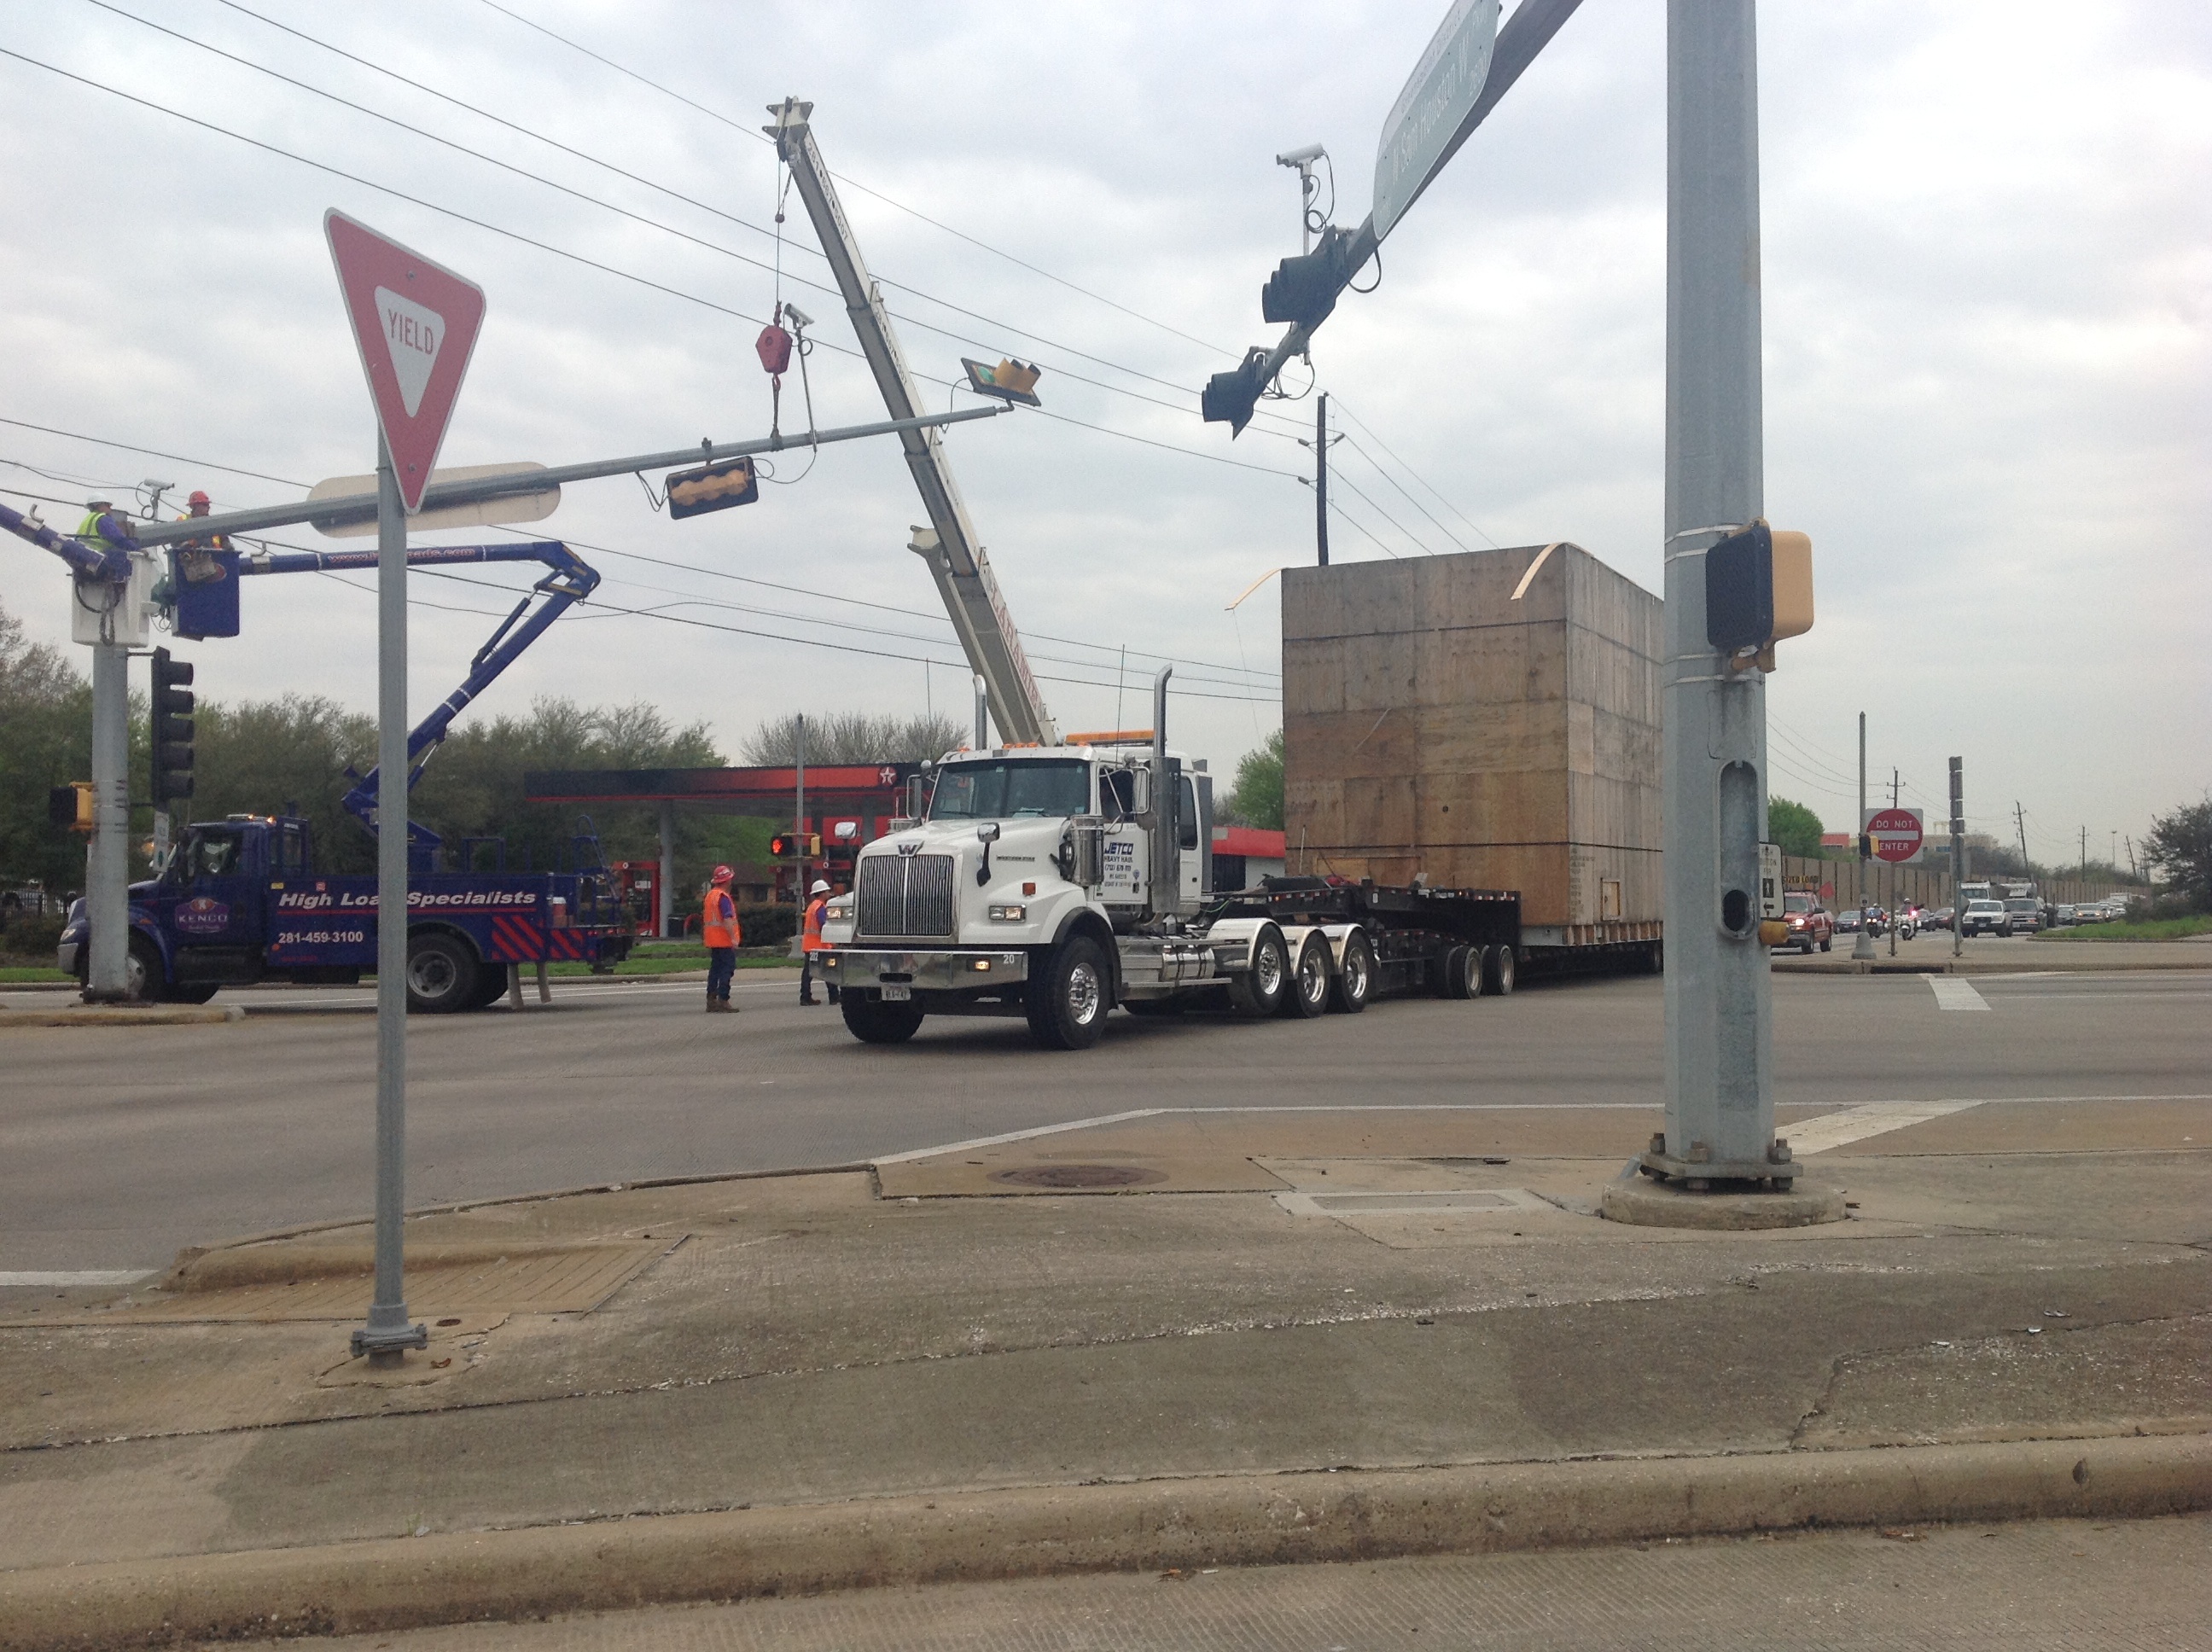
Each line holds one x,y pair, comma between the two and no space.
897,992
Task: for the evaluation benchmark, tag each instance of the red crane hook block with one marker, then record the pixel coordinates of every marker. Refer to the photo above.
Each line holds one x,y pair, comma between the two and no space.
775,347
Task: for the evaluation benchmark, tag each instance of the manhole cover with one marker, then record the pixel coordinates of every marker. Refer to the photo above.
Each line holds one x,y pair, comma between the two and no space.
1078,1175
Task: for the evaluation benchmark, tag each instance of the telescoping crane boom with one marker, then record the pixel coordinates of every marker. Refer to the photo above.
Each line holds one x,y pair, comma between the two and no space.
568,582
956,561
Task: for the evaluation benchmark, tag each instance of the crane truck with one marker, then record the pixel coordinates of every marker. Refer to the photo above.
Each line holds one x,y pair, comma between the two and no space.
1056,878
240,900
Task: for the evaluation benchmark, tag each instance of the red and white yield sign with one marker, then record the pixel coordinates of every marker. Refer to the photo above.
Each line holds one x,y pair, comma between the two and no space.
416,324
1896,833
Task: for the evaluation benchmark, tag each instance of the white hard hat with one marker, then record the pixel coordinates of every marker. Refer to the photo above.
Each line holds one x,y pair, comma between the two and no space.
820,887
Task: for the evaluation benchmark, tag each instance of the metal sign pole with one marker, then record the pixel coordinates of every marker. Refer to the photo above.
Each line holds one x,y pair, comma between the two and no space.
388,1335
108,886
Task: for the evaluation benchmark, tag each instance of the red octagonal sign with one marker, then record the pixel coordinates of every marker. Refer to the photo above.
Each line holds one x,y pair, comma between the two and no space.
417,323
1896,833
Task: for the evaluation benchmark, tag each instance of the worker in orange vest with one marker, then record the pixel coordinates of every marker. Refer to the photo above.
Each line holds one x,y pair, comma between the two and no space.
718,926
810,942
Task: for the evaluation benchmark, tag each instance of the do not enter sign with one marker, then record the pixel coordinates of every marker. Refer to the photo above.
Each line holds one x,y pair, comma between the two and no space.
1896,833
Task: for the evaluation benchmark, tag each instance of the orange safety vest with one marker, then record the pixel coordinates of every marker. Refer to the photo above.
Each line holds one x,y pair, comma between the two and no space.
811,940
720,923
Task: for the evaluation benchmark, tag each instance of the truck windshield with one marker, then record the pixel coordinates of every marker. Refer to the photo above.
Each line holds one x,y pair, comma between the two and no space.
1796,903
206,854
1000,791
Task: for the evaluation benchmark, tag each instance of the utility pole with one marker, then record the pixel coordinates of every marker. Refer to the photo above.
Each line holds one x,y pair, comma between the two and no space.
1862,947
1320,478
2020,821
798,811
108,867
1958,857
2085,859
1719,1050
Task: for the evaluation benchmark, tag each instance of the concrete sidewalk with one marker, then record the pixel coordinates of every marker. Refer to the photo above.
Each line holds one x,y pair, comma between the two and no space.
1173,1336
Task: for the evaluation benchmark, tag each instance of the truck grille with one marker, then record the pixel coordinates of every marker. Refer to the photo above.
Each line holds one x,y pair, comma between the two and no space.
906,895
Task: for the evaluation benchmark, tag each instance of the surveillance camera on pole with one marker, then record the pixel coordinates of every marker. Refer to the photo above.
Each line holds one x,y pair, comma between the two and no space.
1302,161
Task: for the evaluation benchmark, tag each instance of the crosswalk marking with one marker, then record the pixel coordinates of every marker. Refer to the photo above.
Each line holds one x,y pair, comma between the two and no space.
1857,1123
1955,992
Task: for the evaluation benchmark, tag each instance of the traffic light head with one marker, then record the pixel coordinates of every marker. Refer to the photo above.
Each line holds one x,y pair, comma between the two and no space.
172,729
71,806
1302,290
1229,397
1009,381
1758,590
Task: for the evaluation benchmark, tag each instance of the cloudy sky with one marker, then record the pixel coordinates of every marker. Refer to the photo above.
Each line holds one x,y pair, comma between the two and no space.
1987,260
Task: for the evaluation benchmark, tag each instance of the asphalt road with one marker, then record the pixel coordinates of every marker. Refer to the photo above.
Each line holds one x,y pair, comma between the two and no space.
118,1146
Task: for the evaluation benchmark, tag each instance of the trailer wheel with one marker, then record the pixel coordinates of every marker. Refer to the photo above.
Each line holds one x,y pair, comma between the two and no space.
1355,978
441,975
1067,1003
1310,984
874,1022
1452,968
1497,968
1259,991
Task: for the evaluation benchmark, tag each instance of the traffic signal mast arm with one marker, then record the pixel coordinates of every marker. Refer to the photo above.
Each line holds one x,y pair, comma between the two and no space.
956,562
569,581
1307,286
106,560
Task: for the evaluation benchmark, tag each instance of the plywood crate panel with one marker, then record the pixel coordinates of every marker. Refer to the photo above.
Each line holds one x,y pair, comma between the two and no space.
1433,723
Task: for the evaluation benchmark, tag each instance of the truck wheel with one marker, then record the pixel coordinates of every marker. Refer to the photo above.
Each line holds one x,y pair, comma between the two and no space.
1355,978
1259,991
441,976
1497,967
874,1022
1309,993
1827,942
1452,972
491,986
143,983
1067,1002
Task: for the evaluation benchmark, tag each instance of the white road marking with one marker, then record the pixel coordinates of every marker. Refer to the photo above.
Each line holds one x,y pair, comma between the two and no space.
1956,992
1832,1130
81,1277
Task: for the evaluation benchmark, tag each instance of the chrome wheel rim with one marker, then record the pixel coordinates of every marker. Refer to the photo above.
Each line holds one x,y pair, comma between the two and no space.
1267,970
1083,996
1313,975
1355,974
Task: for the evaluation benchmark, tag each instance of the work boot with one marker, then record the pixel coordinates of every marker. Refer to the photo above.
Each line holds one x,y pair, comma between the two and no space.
810,1002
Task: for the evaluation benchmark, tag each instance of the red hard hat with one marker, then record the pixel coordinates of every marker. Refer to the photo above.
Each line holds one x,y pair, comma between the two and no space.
198,498
723,874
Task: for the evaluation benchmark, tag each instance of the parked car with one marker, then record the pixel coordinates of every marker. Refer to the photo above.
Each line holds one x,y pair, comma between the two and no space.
2023,916
1984,918
1810,923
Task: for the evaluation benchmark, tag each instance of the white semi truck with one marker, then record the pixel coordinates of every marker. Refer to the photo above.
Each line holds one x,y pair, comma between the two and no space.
1056,883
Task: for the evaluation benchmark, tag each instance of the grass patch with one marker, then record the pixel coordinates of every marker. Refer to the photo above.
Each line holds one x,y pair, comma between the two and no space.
30,972
2158,929
675,960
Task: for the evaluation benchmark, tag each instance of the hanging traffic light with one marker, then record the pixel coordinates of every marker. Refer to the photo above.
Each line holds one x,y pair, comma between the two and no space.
1303,290
794,845
1758,590
172,729
1229,397
1010,381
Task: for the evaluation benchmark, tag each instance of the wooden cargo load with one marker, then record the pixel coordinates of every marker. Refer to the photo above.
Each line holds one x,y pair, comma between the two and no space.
1490,719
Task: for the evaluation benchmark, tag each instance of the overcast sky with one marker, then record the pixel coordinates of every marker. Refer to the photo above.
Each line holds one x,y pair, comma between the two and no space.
1986,266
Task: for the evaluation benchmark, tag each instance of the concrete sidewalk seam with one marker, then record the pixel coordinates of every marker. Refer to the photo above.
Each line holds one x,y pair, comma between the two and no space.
392,1583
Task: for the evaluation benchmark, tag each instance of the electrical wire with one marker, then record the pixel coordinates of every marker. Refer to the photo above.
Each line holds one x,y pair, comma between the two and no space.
1353,442
960,234
1353,414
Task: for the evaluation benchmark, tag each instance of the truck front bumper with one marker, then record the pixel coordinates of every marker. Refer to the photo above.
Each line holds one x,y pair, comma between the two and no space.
953,969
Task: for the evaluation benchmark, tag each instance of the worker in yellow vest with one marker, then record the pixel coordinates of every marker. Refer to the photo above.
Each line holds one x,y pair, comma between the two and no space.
718,928
810,943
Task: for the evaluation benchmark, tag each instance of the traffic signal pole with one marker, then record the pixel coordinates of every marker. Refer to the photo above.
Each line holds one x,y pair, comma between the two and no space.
108,880
1320,479
1720,1101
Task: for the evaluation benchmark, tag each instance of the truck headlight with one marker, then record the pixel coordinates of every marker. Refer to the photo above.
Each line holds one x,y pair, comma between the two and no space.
836,914
1009,915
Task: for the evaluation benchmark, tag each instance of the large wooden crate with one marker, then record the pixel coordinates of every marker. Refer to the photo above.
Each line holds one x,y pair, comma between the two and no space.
1435,721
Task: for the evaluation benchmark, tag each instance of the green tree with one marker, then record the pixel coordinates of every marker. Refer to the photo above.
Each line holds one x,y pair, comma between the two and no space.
1793,826
2180,847
286,757
843,737
1258,798
46,741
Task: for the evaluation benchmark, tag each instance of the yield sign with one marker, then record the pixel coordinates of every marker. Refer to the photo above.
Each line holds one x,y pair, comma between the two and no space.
416,324
1896,833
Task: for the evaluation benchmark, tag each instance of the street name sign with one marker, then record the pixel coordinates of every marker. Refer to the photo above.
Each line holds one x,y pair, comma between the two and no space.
1441,93
533,506
1896,833
415,322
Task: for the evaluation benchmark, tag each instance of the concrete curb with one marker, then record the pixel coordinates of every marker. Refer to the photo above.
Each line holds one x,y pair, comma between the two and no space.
108,1015
1978,966
1258,1520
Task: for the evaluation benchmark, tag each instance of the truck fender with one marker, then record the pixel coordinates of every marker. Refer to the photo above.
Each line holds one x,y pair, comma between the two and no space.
439,925
1082,920
162,947
1338,935
1234,939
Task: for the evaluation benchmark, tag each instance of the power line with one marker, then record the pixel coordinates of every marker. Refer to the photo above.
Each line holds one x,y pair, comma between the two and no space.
761,137
1353,442
1438,493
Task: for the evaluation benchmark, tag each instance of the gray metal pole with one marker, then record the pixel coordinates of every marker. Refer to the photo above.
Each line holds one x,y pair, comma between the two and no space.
107,887
1862,947
799,815
1720,1102
1320,478
388,1334
667,869
983,715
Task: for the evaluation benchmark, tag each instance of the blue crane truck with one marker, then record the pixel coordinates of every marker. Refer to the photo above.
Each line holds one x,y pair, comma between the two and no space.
240,900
